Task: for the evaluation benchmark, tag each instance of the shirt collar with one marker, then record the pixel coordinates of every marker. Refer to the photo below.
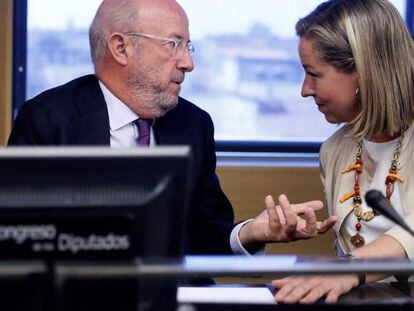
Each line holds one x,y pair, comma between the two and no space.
119,114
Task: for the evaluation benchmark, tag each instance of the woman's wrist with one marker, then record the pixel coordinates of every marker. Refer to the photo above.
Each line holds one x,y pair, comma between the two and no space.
361,276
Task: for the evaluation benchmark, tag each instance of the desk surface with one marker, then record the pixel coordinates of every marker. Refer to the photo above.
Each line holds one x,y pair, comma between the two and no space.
378,296
60,282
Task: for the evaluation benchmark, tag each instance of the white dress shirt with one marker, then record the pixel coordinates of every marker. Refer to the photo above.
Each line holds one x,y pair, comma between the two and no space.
124,134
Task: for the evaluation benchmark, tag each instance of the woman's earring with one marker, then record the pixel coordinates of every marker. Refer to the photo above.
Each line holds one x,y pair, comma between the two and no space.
357,91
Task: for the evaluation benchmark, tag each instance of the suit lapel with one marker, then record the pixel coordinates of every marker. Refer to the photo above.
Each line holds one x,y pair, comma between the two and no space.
171,129
164,135
92,126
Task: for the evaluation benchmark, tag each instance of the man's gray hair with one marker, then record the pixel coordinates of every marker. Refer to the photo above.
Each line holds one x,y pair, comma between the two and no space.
112,16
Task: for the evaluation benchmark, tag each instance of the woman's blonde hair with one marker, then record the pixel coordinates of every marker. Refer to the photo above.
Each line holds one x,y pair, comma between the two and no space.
369,37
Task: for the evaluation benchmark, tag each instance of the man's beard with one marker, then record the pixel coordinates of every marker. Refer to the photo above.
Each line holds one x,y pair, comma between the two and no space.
149,93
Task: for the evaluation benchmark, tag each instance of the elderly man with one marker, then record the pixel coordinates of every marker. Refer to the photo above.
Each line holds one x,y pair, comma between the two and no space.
141,50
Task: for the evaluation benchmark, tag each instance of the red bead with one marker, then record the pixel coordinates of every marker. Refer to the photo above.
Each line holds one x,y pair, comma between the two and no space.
358,226
389,190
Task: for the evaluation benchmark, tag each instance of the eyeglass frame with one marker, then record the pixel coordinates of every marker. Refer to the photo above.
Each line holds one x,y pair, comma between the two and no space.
189,45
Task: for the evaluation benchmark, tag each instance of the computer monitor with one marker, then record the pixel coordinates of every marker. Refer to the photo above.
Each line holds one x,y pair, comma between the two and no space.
96,204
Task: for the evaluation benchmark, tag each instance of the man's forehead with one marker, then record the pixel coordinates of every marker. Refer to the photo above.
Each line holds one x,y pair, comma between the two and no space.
167,17
164,7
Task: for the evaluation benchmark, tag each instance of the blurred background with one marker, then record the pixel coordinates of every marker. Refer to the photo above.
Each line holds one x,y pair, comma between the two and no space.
248,75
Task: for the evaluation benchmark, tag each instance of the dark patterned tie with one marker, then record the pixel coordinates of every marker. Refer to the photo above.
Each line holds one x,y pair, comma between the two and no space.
143,126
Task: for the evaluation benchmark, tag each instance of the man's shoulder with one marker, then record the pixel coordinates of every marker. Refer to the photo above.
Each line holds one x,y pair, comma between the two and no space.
190,107
66,114
187,109
186,119
64,94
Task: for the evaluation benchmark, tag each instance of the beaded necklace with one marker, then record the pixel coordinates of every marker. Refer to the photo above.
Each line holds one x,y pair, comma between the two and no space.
357,239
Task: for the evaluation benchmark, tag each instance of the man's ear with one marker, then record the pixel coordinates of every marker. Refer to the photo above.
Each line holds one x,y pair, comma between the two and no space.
117,45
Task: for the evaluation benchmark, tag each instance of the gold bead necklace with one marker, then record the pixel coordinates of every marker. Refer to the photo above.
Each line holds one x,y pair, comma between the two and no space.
357,239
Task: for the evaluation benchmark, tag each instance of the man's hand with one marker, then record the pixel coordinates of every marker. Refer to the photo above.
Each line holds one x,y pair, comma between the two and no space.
282,223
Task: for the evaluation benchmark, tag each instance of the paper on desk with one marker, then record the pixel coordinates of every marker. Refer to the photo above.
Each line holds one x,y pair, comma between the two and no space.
225,294
237,263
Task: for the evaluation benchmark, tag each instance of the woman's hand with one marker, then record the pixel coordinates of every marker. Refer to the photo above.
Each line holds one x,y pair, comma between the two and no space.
308,289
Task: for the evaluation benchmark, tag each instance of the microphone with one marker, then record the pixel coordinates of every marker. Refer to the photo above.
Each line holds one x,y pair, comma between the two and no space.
380,204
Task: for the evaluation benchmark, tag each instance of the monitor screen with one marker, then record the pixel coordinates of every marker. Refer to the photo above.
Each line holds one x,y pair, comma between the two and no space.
93,205
94,202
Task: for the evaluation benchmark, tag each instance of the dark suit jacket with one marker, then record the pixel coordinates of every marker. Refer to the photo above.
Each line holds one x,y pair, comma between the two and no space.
76,114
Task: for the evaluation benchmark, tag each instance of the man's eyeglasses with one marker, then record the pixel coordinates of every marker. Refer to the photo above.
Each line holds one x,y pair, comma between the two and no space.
178,45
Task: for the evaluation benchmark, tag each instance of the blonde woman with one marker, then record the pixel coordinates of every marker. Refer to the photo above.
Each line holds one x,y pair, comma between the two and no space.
358,57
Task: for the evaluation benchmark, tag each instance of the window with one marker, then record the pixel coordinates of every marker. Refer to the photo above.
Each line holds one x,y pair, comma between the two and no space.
248,75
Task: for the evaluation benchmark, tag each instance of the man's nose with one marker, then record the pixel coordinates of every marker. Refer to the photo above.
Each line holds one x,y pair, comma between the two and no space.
185,62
